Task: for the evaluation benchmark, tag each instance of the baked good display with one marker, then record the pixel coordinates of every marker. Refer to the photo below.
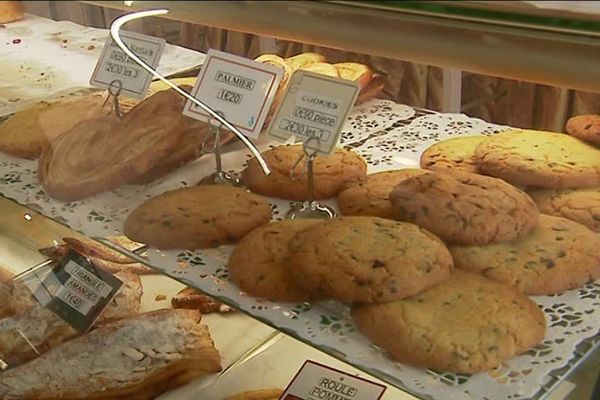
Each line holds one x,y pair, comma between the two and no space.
100,154
135,358
45,330
465,208
371,195
585,127
331,173
466,324
579,205
191,299
557,255
539,159
454,154
11,11
197,217
258,264
367,259
261,394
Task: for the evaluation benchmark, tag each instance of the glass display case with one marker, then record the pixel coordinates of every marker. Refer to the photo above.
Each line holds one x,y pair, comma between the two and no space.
115,209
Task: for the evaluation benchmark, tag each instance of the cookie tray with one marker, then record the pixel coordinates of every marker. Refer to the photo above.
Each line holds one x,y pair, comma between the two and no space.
388,137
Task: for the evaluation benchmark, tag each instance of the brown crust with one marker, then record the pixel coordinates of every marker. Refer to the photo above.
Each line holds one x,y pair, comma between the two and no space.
191,299
585,127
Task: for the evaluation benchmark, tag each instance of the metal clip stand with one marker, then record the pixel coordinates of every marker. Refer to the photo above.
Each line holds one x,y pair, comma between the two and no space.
114,91
220,177
310,208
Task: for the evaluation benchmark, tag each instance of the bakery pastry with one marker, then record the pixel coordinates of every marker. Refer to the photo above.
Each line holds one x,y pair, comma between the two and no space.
262,394
45,330
304,59
585,127
322,68
197,217
454,154
579,205
367,259
330,173
557,255
11,11
135,358
258,264
373,89
371,195
354,72
539,159
191,299
465,208
466,324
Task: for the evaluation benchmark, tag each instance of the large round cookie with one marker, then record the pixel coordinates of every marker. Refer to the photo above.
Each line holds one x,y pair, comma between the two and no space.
579,205
454,154
539,159
465,208
585,127
330,173
557,255
371,196
258,264
197,217
367,259
466,324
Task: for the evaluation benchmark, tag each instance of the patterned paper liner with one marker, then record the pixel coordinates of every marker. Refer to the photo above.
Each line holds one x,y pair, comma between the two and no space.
380,132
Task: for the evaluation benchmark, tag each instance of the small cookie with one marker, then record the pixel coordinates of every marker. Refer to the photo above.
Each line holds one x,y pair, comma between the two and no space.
466,324
539,159
330,173
367,259
465,208
371,196
197,217
579,205
585,127
455,154
258,264
557,255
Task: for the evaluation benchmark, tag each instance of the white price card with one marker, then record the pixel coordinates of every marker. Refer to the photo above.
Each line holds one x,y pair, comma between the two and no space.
115,68
241,90
314,106
316,381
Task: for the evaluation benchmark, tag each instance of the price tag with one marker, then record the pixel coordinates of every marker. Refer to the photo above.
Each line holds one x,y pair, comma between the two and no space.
115,66
314,106
74,290
239,88
316,381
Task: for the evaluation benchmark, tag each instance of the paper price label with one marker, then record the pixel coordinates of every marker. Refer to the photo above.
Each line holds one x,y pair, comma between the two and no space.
315,106
114,66
73,289
316,381
240,89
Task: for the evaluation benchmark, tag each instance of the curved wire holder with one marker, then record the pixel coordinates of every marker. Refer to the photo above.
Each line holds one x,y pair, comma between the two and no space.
310,208
220,177
114,32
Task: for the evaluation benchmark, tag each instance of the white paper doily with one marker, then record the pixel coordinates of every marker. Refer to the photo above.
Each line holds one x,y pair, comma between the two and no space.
572,316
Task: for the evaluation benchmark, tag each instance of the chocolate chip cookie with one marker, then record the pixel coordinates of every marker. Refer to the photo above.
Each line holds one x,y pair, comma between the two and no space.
585,127
465,208
557,255
454,154
466,324
367,259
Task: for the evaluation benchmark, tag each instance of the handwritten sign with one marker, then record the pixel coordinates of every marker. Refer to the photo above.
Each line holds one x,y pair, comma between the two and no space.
115,68
240,89
314,106
316,381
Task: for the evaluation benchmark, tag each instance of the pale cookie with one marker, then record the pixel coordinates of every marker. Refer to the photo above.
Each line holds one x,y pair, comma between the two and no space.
454,154
465,208
371,196
330,173
368,259
585,127
579,205
258,264
557,255
466,324
539,159
197,217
